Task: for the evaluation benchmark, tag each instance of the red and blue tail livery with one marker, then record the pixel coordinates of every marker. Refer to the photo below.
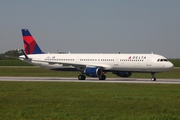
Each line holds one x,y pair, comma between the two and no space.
30,45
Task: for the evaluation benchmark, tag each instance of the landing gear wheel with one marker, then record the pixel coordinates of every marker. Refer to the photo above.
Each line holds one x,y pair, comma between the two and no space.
102,77
153,77
81,77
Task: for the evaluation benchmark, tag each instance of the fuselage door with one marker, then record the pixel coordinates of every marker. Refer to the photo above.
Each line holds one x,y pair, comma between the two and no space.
77,59
149,59
116,62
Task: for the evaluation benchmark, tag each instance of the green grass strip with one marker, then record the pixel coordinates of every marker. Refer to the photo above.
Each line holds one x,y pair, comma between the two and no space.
88,101
13,63
21,71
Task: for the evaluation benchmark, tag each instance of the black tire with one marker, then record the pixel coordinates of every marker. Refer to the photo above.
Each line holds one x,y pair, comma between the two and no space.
102,77
81,77
153,79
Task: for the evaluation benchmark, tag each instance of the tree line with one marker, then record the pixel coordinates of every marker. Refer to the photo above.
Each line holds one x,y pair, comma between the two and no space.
11,54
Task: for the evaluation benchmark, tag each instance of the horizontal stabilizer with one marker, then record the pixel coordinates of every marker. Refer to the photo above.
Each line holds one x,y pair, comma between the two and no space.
24,54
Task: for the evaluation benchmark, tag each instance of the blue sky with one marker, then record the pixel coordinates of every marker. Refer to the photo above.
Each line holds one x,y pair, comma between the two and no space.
94,26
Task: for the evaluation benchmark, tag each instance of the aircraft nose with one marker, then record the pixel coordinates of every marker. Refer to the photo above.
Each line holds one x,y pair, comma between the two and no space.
170,66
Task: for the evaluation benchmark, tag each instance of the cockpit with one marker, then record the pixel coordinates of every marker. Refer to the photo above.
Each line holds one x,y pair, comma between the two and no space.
162,60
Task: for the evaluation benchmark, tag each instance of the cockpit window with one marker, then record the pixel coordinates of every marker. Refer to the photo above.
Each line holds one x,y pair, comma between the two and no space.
161,60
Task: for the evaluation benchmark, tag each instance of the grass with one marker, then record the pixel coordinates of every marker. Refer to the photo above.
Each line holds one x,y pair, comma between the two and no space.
21,71
92,101
34,72
14,62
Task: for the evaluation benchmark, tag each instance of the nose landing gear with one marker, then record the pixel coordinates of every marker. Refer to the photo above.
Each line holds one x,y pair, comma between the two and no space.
153,76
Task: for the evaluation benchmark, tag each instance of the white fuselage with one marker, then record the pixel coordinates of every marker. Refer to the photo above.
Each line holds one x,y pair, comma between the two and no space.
109,62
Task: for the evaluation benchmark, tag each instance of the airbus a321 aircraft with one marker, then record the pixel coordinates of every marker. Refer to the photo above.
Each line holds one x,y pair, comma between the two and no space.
95,65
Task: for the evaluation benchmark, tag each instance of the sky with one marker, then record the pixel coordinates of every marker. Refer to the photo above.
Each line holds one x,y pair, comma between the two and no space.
93,26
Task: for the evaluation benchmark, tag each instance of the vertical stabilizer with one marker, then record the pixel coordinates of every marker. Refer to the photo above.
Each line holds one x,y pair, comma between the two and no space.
30,45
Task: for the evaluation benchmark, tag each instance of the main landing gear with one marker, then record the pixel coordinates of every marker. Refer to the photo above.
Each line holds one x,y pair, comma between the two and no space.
153,76
83,77
102,77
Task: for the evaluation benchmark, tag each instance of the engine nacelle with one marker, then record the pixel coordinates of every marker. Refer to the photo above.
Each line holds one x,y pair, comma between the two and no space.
123,74
93,71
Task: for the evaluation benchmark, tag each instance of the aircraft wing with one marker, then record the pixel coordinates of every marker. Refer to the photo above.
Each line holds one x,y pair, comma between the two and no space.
83,65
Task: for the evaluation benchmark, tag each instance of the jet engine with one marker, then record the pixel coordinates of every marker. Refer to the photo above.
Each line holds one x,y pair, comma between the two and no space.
93,71
123,74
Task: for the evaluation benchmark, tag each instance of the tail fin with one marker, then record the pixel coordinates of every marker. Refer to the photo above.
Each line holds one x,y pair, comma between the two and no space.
30,45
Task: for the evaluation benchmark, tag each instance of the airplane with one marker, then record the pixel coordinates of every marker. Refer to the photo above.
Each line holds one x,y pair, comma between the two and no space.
95,65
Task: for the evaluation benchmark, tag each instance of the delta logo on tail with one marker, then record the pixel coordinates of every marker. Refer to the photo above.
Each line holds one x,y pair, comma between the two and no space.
30,45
